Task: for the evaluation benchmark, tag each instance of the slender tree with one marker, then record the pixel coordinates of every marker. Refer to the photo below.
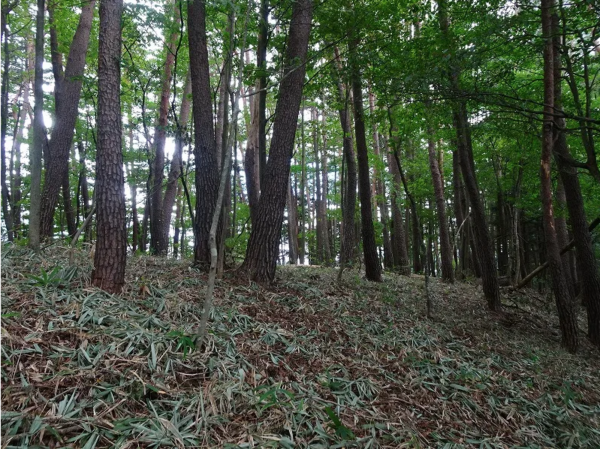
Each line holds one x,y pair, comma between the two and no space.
372,264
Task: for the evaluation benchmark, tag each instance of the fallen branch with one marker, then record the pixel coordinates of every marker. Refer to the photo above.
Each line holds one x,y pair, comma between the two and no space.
542,267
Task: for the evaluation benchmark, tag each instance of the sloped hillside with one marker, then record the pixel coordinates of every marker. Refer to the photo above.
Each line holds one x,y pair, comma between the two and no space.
307,363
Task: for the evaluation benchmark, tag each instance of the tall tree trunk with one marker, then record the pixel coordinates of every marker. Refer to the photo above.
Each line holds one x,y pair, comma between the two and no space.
399,248
159,242
67,94
319,253
292,226
179,211
176,161
586,260
302,236
372,264
8,217
111,244
251,159
262,251
348,240
440,203
566,313
261,64
69,212
388,258
207,175
39,134
463,133
562,233
327,258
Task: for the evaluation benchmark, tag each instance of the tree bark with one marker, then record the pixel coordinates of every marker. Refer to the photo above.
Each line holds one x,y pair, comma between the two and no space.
372,264
485,251
292,207
8,216
348,243
262,251
111,244
586,260
67,95
564,304
401,261
39,134
207,175
251,159
440,203
159,241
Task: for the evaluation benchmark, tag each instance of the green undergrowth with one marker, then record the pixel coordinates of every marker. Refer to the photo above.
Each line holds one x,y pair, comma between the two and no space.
305,363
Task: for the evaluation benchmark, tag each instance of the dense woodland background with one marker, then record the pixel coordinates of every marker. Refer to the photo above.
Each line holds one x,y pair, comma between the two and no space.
451,139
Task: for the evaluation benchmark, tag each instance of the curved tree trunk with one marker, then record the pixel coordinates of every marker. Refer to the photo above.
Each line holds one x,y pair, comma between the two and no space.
111,244
263,246
67,94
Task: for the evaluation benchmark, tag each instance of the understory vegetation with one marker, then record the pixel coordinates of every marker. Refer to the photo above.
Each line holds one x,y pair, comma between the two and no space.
308,362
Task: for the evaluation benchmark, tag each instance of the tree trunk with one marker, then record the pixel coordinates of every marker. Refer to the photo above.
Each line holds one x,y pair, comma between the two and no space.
159,241
69,213
8,216
319,253
327,258
176,161
372,264
292,226
348,243
440,203
399,248
388,258
463,133
262,251
111,244
179,211
261,64
207,175
566,313
251,159
586,260
67,94
302,236
37,148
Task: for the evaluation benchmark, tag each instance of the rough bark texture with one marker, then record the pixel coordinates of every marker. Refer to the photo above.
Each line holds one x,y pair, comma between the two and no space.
67,94
37,148
564,304
372,264
111,244
586,260
440,203
207,175
159,241
262,251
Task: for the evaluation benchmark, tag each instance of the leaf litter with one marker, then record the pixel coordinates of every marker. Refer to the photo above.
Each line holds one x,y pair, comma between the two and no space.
307,362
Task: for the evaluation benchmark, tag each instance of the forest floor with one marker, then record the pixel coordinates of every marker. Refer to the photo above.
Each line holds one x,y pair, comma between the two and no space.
305,363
